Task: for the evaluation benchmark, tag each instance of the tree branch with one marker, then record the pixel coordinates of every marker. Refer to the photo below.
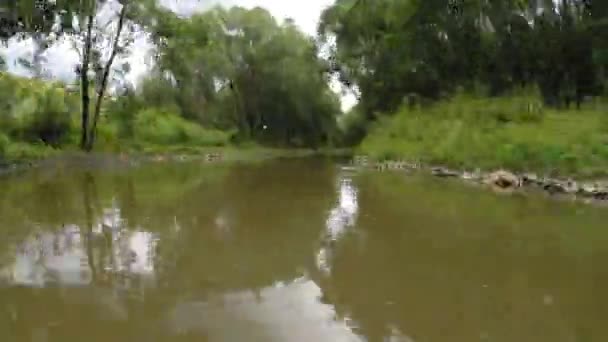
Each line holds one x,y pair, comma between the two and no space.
84,81
106,74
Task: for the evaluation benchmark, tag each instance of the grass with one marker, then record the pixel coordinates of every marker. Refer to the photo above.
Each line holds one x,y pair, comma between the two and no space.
19,151
516,133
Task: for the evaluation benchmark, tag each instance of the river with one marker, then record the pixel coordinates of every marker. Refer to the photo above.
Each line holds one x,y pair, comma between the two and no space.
293,250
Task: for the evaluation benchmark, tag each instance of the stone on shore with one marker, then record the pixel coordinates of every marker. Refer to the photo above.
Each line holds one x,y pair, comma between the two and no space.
443,172
503,179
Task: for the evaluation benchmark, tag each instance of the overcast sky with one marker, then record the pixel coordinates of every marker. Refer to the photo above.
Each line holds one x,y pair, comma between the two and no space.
61,58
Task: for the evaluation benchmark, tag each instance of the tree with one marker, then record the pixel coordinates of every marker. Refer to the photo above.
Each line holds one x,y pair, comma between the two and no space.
238,61
83,23
390,49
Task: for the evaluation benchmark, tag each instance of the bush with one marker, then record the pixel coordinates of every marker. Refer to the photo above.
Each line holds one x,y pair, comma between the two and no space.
353,127
122,112
24,151
162,126
4,142
39,113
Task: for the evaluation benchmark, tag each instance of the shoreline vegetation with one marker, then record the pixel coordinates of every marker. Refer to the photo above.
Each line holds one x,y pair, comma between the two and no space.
468,137
478,87
507,143
178,154
516,133
206,87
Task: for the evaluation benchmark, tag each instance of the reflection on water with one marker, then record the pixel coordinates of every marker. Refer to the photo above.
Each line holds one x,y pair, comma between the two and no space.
292,251
281,312
50,257
72,256
342,217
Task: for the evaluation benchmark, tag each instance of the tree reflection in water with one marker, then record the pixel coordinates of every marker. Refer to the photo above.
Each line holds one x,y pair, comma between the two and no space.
76,256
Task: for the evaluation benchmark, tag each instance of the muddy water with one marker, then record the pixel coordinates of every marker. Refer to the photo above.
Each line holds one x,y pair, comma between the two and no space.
301,250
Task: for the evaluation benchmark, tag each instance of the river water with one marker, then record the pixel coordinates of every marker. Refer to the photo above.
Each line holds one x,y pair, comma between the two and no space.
293,250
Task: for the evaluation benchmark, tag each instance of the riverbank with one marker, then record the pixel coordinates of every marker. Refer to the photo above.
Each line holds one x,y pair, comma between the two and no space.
589,191
514,133
154,154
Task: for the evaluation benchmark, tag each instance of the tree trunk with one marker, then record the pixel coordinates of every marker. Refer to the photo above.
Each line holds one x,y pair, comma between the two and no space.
104,79
84,83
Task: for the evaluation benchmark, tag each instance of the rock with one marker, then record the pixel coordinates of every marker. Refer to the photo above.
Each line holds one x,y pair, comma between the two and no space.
563,187
472,176
554,187
571,186
531,179
380,166
443,172
210,157
360,160
397,165
586,190
389,164
416,165
601,195
503,179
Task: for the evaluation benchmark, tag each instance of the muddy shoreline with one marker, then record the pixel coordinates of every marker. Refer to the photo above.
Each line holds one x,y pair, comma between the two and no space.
100,160
126,159
589,191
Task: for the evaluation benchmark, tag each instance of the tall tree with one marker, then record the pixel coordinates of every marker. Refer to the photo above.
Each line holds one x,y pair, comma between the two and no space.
86,23
392,48
239,61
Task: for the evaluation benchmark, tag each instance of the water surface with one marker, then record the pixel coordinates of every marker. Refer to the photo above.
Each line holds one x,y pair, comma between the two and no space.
300,250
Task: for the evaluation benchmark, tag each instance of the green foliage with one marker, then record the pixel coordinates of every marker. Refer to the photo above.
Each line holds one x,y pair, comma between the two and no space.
462,133
241,69
4,143
523,60
393,48
520,107
36,111
353,127
37,117
44,117
121,112
23,151
161,126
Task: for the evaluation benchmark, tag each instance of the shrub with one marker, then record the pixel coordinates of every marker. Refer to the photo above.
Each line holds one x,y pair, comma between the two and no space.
26,151
42,116
122,112
163,127
353,127
4,142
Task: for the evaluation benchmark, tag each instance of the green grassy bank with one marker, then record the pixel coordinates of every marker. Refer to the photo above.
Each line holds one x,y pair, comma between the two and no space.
514,132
